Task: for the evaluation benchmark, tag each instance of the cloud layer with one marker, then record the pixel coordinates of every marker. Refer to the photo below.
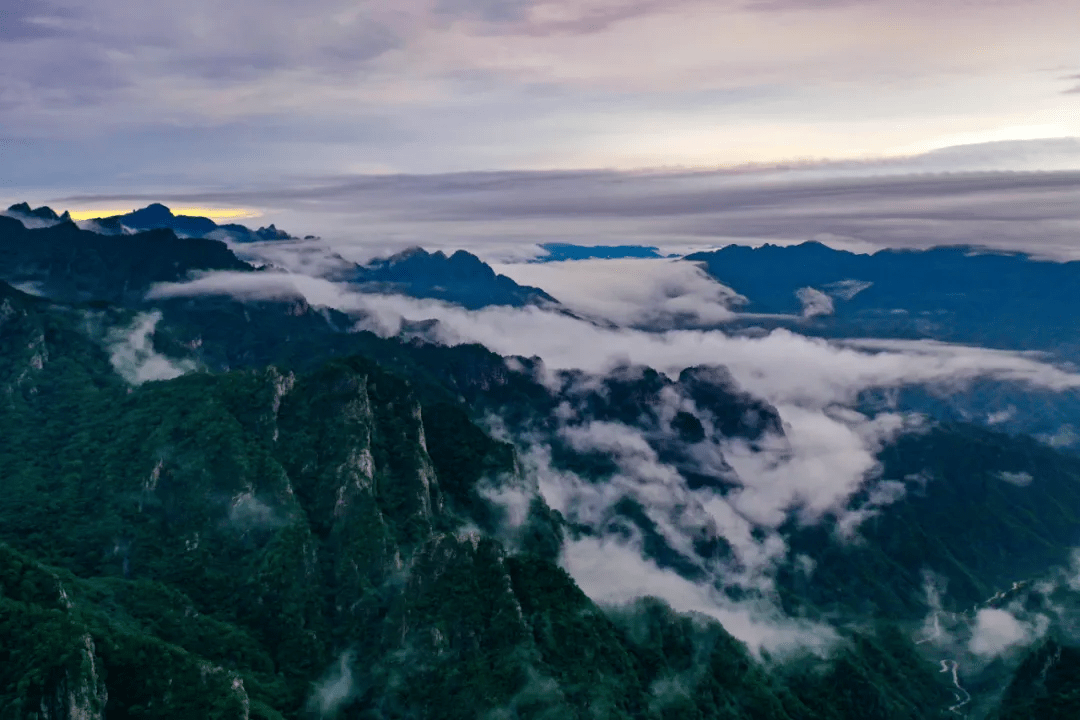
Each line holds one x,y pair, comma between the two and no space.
174,95
956,197
825,457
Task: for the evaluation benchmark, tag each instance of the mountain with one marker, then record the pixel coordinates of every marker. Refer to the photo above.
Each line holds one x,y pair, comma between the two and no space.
948,294
44,213
226,509
157,216
1047,685
1022,499
215,544
557,252
77,265
955,294
460,278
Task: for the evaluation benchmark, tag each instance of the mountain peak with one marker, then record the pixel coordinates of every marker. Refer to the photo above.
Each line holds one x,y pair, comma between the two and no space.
42,213
158,216
461,278
406,254
151,214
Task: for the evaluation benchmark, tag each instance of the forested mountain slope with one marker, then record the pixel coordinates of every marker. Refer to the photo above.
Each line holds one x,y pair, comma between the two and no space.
303,521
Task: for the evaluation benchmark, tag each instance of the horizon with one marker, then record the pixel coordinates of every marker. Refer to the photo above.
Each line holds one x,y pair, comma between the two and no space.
438,121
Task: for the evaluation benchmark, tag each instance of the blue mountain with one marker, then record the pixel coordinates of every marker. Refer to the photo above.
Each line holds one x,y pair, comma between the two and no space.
157,216
557,252
71,264
460,278
958,294
41,213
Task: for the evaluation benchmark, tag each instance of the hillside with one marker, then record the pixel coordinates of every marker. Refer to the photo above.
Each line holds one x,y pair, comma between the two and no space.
232,509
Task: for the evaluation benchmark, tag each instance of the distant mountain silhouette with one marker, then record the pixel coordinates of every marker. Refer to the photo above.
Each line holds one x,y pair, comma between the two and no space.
68,263
41,213
557,252
461,278
157,216
959,294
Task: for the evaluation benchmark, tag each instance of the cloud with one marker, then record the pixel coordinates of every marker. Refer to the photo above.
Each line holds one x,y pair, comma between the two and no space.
335,688
814,302
29,221
113,94
241,285
957,196
132,354
632,292
829,372
30,20
247,512
1020,479
825,459
1065,436
847,289
998,631
616,574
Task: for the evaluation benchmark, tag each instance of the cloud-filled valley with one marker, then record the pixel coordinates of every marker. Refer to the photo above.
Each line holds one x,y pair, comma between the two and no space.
822,464
730,452
456,359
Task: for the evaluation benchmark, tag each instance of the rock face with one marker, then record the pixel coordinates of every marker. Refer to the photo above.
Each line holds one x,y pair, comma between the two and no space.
79,695
300,501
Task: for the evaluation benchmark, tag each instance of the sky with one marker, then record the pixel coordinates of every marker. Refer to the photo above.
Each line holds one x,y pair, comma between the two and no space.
300,112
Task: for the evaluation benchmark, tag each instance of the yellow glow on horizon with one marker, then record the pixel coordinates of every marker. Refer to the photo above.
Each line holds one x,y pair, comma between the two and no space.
88,214
207,212
1046,131
217,213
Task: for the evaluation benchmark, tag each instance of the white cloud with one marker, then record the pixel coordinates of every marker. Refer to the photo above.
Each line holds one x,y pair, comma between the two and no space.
265,285
335,688
132,353
1020,479
823,459
29,221
847,289
998,631
651,293
826,456
1065,436
612,573
828,452
814,302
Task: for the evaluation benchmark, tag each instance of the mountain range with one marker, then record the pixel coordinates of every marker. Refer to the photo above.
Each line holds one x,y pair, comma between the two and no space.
245,508
460,278
954,294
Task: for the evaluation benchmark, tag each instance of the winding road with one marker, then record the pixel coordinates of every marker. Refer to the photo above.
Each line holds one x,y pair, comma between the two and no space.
962,699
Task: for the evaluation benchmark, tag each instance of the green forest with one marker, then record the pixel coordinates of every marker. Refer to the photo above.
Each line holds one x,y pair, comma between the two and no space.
296,529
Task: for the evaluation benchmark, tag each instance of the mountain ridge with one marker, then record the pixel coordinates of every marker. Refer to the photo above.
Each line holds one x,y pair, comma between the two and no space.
315,523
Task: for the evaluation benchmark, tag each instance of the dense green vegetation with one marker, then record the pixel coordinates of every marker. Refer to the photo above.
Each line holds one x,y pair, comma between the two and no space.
300,530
